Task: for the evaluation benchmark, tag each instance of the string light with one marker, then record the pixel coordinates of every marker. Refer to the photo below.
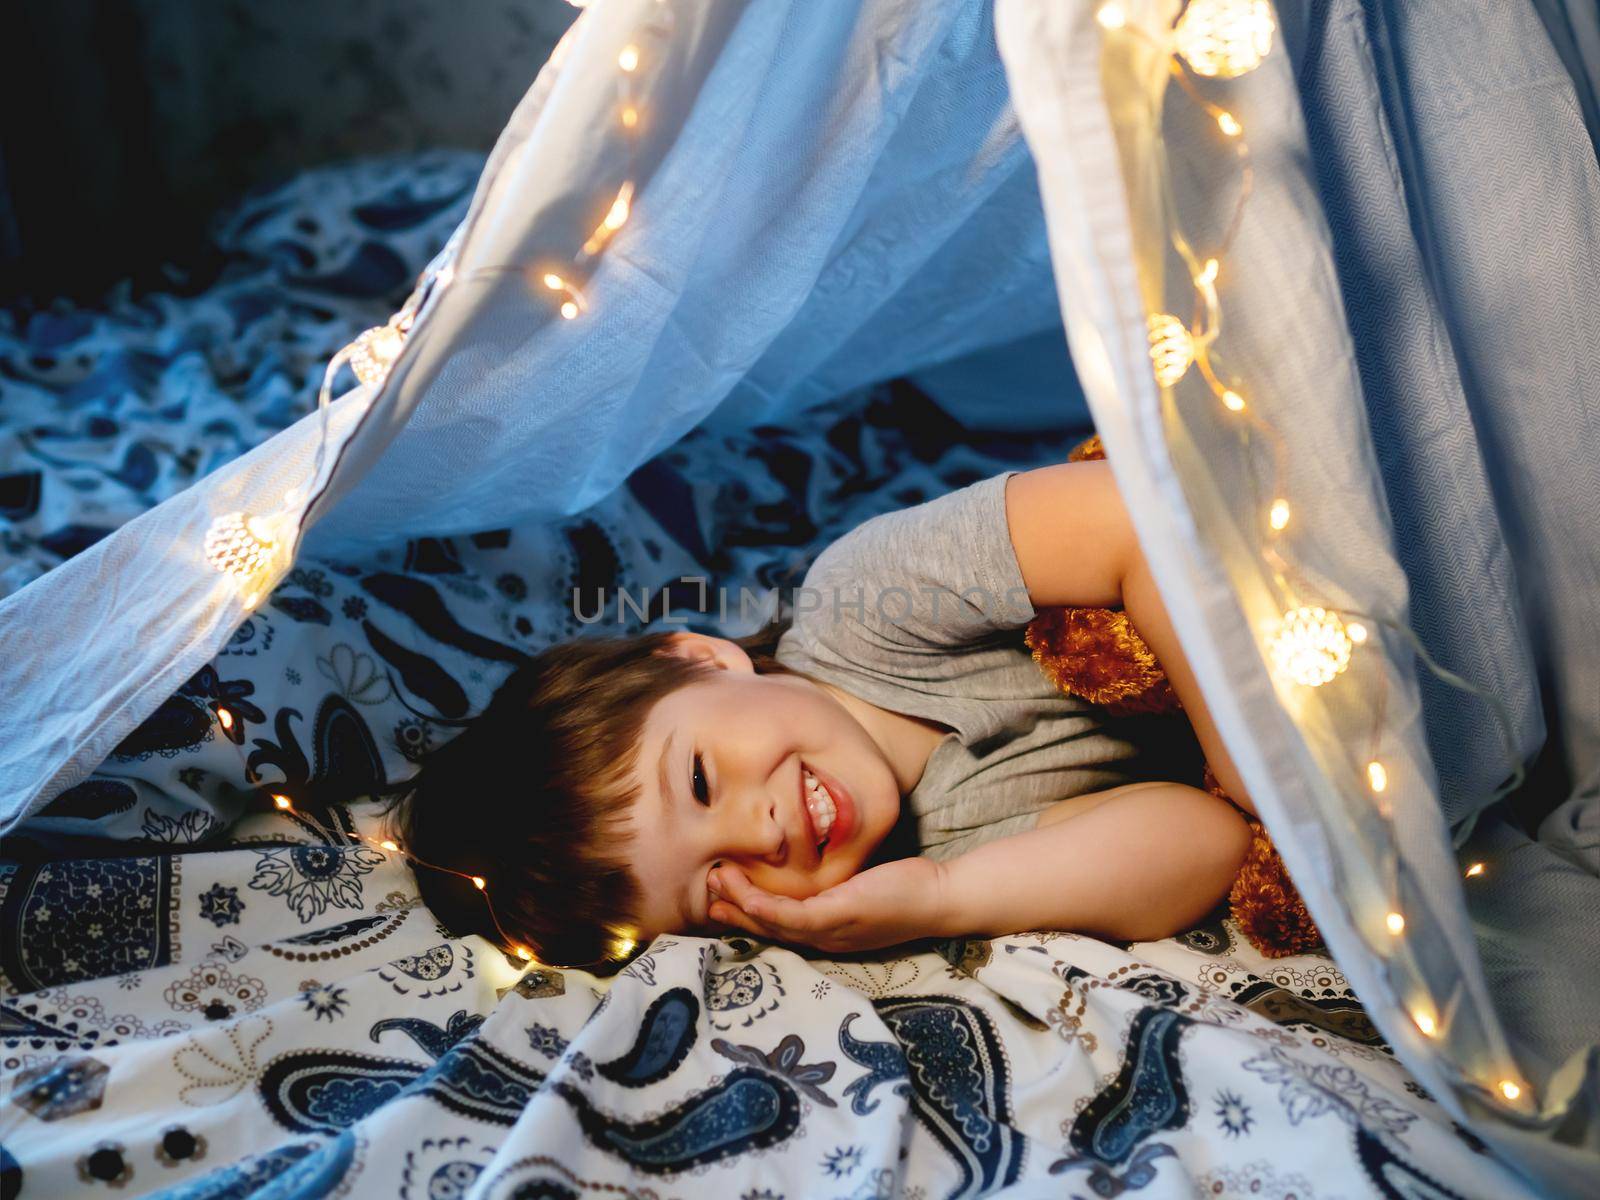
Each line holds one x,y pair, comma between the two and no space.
1310,646
1171,348
374,352
284,804
1224,38
245,548
240,546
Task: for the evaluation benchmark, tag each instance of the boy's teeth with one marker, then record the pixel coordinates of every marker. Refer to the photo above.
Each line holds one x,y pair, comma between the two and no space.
821,805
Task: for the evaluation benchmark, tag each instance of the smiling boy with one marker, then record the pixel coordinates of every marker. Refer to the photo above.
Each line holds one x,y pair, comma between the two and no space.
895,766
907,662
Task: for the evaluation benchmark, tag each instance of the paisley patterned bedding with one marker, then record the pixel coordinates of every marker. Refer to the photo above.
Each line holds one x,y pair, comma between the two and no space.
201,996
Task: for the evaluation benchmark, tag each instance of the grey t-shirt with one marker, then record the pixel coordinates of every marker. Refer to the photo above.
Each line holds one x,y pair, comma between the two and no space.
921,611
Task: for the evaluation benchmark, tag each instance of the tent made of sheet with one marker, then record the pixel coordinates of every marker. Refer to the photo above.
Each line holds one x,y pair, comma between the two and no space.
1325,271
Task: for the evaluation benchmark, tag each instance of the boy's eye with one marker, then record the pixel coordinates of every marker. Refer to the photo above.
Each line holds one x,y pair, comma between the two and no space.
696,781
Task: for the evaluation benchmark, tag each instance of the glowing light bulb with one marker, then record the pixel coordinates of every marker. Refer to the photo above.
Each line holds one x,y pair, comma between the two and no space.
374,352
388,845
523,953
1225,38
619,209
573,304
1208,273
1357,632
615,218
1278,516
1171,348
630,116
1475,870
624,946
478,882
1377,777
629,58
1424,1022
225,717
1396,923
1509,1089
1229,124
1233,401
1310,646
240,546
282,802
1111,16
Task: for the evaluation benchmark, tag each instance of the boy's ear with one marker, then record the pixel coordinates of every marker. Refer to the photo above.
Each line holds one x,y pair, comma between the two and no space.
719,651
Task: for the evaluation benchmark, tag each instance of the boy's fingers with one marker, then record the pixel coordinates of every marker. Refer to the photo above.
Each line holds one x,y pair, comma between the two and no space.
728,914
767,907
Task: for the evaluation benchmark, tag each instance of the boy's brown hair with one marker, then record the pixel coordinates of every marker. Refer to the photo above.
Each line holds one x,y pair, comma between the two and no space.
533,796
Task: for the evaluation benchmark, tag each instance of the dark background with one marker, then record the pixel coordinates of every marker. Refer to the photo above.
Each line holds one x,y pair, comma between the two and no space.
124,124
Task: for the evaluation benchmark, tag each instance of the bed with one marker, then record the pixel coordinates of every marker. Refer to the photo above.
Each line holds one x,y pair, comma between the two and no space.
612,368
204,996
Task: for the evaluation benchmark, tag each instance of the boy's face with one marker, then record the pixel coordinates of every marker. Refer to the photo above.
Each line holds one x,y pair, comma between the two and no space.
740,741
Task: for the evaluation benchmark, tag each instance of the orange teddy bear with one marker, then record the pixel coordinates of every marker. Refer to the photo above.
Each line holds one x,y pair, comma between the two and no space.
1096,653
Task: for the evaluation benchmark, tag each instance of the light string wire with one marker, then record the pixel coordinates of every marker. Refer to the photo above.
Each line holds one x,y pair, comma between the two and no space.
1233,37
248,548
255,550
279,801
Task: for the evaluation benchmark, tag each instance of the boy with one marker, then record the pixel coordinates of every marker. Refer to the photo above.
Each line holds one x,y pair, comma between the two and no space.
694,783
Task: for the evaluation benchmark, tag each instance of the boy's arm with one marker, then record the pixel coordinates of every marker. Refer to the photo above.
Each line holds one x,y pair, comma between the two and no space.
1145,861
1145,864
1075,546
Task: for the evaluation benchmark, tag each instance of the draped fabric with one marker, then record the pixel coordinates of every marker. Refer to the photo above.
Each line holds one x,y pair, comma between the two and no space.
825,196
1425,361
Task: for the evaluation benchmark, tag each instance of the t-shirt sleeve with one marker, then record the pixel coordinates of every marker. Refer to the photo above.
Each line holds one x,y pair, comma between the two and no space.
937,575
902,609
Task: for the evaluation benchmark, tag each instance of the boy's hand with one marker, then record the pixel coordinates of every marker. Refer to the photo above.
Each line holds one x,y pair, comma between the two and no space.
884,905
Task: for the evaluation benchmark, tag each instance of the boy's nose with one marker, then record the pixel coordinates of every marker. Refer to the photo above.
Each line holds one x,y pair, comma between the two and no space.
758,827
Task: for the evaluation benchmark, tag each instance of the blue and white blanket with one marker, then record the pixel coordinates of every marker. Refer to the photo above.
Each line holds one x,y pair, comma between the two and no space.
201,996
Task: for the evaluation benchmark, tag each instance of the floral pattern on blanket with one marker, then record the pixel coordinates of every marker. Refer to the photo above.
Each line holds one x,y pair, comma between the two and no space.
202,996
